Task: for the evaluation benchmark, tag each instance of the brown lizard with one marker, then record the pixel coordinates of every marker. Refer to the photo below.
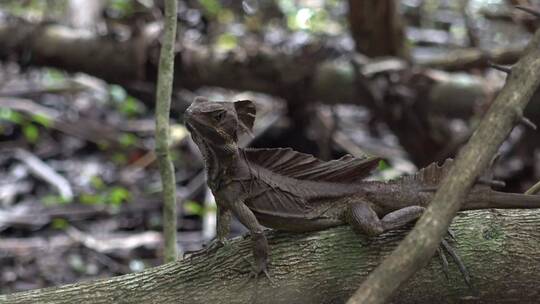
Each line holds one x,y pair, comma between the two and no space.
288,190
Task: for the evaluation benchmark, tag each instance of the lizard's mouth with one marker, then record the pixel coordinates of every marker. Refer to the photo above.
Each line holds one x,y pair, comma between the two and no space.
197,138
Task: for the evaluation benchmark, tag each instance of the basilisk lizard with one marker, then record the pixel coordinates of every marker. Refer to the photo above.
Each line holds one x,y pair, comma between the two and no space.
288,190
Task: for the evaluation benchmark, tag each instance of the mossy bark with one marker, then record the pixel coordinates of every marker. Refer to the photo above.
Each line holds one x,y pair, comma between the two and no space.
500,249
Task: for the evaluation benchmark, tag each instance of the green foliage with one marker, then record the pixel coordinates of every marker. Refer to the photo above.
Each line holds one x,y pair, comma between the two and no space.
27,124
54,199
53,77
59,223
114,196
383,165
90,199
103,194
194,208
42,120
31,132
11,116
129,106
128,140
227,42
212,7
118,195
121,8
97,183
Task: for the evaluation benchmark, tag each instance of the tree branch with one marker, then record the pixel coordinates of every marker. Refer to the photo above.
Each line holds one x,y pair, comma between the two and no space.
264,70
325,266
472,160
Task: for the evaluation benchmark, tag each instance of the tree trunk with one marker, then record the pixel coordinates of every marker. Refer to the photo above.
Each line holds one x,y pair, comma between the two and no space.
377,28
499,247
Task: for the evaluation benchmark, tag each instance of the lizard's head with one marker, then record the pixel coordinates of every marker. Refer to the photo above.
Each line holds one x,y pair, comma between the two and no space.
219,123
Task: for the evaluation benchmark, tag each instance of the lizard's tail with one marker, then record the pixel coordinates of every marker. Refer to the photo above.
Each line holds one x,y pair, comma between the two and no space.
501,200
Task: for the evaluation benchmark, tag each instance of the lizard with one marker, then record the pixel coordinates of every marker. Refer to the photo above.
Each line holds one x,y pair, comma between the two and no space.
283,189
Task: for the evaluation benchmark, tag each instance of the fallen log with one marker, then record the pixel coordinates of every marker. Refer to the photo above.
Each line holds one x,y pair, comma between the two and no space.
499,247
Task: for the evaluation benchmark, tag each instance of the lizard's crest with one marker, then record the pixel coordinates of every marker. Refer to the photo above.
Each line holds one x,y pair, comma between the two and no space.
432,174
293,164
221,122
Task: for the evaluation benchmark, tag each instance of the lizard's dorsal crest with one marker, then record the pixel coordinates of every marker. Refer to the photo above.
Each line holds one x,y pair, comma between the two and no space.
430,175
433,174
293,164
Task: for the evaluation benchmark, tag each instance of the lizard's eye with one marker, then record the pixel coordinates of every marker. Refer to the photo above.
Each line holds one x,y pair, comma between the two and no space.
218,115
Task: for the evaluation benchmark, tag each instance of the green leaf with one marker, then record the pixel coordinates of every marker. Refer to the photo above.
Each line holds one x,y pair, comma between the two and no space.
53,77
193,208
131,107
42,120
383,165
122,7
91,199
227,42
59,223
118,195
53,200
211,6
31,132
97,183
127,140
10,115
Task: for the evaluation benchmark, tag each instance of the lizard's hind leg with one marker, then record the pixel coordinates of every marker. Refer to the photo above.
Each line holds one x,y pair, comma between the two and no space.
363,219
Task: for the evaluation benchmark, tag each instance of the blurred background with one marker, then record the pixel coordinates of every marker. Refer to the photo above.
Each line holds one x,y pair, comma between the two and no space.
80,194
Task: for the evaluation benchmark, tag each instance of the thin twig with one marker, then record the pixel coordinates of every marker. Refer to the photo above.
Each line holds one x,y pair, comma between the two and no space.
43,171
534,189
163,106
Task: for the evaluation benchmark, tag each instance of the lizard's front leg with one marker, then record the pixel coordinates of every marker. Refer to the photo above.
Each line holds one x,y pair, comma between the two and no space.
223,228
223,224
260,244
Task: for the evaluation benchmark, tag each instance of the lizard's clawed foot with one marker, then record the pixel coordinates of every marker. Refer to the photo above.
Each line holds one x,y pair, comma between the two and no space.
260,267
214,245
445,246
256,271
